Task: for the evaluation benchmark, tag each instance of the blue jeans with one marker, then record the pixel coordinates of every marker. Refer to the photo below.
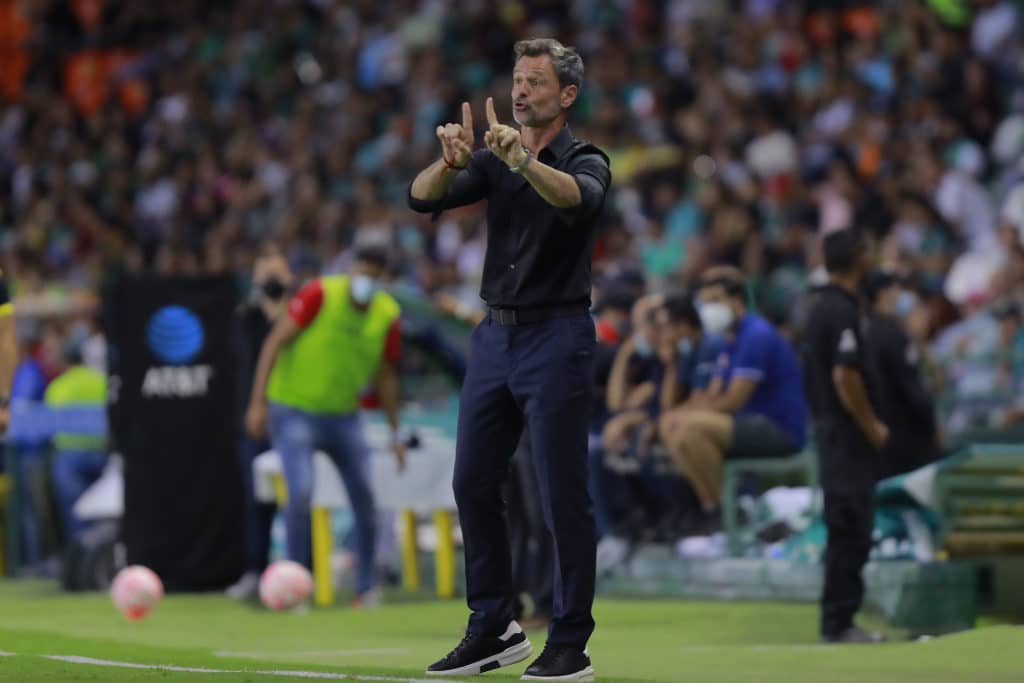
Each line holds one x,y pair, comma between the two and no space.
73,473
296,435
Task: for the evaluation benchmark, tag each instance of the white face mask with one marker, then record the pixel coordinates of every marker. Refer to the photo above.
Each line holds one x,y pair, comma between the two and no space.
362,289
715,317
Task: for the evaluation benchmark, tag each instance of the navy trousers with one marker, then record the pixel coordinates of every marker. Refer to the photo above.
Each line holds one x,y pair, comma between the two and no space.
539,372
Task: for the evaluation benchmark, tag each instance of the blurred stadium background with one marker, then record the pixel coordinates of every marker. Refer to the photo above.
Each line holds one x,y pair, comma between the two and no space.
179,139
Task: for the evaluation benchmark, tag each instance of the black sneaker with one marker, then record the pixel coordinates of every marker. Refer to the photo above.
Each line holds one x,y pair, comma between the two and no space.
854,636
560,663
477,654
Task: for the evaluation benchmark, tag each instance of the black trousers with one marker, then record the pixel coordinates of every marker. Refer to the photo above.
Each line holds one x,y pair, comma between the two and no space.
849,466
849,516
543,371
533,562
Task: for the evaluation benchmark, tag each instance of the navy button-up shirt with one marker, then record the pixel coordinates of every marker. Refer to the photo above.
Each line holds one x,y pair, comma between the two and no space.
537,255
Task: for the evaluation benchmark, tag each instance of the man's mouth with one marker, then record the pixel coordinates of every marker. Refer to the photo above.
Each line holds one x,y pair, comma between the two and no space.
520,106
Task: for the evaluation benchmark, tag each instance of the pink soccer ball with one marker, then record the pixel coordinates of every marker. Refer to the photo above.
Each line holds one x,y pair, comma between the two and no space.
135,591
285,585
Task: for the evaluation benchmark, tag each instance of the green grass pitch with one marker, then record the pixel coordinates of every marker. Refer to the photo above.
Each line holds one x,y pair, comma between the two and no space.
209,638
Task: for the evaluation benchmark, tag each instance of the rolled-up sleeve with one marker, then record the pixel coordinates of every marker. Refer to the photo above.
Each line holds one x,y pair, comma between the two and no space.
593,177
469,186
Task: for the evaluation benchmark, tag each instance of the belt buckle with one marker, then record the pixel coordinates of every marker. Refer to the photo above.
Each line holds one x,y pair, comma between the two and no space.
510,320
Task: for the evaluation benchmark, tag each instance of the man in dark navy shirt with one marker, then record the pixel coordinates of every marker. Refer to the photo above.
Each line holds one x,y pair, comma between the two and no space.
847,432
530,359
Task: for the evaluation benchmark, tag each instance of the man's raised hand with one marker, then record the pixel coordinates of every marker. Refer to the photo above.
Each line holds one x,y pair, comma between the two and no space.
457,139
504,141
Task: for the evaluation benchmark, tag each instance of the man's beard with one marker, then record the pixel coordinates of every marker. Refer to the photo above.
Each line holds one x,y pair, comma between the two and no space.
532,118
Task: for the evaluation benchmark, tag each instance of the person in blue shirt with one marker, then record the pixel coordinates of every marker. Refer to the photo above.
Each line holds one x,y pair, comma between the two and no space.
754,406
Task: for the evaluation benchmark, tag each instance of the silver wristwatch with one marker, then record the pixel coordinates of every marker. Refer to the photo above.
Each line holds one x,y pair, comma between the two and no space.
522,167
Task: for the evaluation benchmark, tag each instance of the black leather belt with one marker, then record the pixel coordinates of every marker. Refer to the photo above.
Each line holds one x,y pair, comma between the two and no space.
525,316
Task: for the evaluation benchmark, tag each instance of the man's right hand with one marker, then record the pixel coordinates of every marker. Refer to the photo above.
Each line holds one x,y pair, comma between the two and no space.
256,420
457,139
879,434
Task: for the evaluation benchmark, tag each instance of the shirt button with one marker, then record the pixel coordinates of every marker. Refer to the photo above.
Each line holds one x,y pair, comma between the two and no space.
513,266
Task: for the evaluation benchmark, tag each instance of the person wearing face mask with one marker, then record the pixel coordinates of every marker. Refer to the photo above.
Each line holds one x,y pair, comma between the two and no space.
340,333
632,393
848,433
905,406
271,281
756,406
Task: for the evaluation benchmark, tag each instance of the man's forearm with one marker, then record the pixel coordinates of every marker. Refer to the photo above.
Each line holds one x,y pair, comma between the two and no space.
854,397
558,189
387,393
433,182
268,354
670,387
616,396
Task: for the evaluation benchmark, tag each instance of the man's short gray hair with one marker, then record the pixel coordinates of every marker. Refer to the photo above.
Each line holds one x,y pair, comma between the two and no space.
567,62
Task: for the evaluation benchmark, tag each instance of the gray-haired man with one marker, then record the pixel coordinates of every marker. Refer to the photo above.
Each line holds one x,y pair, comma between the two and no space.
530,359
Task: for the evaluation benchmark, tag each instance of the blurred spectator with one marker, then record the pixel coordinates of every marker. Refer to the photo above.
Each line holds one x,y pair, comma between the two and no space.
272,282
905,405
758,410
632,395
78,459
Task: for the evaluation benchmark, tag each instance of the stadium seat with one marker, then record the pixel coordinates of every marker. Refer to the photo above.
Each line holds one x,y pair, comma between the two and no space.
805,462
982,500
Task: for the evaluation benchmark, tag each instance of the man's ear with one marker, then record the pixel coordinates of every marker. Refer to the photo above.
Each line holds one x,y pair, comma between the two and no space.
568,96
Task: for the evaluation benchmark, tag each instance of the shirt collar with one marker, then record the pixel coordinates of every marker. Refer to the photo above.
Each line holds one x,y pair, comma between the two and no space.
561,143
839,290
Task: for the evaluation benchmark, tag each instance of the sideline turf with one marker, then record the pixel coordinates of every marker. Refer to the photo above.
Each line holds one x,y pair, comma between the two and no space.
664,641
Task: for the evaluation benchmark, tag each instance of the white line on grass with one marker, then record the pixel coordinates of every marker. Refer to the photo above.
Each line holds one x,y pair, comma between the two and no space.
322,675
310,653
6,654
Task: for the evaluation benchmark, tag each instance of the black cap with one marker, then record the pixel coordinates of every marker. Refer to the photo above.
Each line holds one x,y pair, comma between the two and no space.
878,280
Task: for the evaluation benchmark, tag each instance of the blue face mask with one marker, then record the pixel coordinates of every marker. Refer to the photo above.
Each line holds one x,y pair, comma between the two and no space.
905,304
685,347
641,346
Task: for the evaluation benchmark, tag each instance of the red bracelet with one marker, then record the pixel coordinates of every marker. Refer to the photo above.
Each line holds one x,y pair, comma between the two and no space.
448,164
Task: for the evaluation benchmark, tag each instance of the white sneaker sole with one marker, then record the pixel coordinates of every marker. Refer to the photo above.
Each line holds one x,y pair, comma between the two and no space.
512,655
581,675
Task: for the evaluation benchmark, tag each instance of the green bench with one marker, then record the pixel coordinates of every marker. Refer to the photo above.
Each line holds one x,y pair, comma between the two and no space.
803,463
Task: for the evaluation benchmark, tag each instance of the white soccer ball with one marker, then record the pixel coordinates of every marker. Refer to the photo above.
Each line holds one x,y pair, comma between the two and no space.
135,591
285,584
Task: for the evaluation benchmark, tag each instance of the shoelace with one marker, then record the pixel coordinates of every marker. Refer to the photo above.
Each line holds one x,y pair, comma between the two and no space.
466,640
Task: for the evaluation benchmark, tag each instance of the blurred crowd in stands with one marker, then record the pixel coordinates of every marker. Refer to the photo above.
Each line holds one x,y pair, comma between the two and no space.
181,137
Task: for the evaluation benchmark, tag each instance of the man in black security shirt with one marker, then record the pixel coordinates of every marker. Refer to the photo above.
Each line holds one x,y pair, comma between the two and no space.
847,430
904,404
531,359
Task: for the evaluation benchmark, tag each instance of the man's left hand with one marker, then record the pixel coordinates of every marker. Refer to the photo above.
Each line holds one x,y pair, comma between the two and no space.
504,141
398,448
